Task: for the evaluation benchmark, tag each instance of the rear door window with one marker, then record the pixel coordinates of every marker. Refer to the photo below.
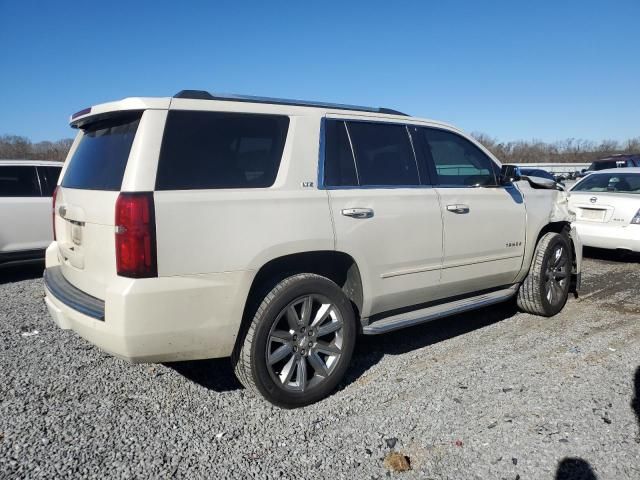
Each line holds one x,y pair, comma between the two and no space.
457,161
100,160
209,150
383,154
48,179
19,181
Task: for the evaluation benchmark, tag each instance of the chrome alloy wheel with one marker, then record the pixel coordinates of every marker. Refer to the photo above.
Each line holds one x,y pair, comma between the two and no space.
304,343
557,275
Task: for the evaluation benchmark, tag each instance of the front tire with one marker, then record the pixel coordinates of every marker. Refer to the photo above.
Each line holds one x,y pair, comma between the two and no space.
546,288
300,342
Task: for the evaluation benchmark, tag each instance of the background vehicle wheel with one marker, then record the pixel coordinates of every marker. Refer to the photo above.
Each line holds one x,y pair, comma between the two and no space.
300,342
545,289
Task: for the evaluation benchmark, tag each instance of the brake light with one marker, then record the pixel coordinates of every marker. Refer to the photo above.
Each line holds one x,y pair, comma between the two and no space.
53,211
136,235
636,218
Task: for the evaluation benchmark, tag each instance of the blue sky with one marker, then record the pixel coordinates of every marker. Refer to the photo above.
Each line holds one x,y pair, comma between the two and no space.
512,69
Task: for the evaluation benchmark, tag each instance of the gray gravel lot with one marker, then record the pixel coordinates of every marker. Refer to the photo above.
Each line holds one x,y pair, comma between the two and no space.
492,394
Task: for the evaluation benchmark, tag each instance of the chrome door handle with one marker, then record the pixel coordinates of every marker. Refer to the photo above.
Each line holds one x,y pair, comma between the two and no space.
458,208
358,212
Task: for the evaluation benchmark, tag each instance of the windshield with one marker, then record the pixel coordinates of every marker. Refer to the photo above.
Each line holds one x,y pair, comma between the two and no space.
610,182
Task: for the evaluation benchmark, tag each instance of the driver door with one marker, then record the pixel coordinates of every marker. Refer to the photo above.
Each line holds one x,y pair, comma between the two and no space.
484,223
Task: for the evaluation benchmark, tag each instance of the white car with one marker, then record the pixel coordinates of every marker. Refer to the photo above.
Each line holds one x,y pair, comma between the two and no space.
273,231
607,206
26,187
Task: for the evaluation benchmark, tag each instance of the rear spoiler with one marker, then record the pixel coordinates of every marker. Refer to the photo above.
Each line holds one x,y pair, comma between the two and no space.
107,110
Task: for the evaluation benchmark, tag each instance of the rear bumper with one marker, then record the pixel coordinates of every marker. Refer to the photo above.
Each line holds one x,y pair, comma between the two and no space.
155,320
625,237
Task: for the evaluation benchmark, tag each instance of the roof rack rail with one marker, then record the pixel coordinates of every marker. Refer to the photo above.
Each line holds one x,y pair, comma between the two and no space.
204,95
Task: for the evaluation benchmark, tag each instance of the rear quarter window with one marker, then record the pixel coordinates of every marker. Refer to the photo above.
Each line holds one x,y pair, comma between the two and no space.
100,160
210,150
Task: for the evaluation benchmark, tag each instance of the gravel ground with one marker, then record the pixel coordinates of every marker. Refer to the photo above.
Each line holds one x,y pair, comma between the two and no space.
493,394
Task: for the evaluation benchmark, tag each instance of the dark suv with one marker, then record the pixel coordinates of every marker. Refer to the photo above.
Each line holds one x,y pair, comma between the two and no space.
615,161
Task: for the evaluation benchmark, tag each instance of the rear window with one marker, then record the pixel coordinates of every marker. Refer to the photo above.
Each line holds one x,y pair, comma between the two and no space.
208,150
101,157
610,182
18,181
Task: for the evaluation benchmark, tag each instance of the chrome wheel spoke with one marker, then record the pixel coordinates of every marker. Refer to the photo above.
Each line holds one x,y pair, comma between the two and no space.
281,336
280,353
558,256
301,373
549,288
329,328
307,306
318,364
321,315
328,348
292,318
287,371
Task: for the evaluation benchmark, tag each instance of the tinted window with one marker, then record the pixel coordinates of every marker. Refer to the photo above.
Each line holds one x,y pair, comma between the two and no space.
220,150
48,179
101,157
383,154
19,182
459,162
603,165
339,167
610,182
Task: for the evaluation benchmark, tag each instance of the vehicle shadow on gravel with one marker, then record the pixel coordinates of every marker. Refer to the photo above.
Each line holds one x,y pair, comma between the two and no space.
575,469
214,374
371,349
18,273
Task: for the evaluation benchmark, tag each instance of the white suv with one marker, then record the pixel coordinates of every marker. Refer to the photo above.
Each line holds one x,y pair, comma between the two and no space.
275,231
26,187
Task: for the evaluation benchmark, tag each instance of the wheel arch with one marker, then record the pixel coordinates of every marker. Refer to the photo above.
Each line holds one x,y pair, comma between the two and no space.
337,266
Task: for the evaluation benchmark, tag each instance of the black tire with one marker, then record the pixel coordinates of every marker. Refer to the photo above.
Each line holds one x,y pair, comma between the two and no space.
254,361
547,273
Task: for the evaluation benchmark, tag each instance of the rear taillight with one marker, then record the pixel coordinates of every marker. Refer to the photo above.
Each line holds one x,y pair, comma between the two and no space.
53,211
636,218
136,236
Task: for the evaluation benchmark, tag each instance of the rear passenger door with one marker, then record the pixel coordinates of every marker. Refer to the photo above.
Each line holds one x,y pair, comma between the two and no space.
25,215
484,223
385,213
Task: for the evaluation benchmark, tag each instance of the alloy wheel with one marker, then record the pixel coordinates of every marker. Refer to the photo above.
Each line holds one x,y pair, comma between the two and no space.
305,343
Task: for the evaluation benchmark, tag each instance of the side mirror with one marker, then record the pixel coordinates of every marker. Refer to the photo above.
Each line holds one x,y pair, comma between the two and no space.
509,174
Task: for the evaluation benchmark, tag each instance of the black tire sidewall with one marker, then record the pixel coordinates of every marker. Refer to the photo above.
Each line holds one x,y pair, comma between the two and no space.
552,309
295,288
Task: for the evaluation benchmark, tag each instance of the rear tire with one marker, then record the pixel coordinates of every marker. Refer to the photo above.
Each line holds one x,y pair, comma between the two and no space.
299,343
546,288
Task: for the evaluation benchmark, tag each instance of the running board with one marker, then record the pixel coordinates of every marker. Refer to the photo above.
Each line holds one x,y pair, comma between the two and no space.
428,314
